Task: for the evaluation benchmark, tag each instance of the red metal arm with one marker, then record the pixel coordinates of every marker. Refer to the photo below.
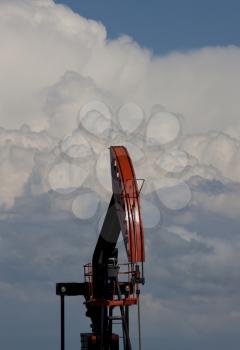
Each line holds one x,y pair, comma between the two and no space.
126,195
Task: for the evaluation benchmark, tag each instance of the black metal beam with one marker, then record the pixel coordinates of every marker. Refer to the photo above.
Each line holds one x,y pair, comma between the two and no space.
70,288
62,322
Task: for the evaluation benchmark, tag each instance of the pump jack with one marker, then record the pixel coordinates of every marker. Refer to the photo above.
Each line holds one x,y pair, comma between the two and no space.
107,284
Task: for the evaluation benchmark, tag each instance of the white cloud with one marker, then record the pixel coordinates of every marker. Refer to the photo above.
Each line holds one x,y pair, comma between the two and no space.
40,41
16,164
60,74
216,150
18,151
56,66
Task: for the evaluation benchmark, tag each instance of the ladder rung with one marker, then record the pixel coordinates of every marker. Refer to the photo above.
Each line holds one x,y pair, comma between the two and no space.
115,317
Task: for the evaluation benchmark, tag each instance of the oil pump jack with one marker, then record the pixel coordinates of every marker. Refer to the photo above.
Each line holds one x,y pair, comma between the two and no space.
109,286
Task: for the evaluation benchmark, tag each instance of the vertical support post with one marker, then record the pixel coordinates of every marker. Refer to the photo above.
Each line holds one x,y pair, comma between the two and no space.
139,321
126,338
102,328
110,321
62,322
127,316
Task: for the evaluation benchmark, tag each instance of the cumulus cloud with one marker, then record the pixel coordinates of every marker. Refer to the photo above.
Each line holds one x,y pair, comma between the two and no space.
16,166
218,150
41,41
62,77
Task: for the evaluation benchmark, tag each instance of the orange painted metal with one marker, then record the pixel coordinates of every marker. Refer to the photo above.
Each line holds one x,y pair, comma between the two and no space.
123,302
126,195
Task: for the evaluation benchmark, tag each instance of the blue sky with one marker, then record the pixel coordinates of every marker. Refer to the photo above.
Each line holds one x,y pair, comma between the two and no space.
169,25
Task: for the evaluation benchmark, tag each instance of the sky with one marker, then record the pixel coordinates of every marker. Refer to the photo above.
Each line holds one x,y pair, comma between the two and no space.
162,80
165,26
